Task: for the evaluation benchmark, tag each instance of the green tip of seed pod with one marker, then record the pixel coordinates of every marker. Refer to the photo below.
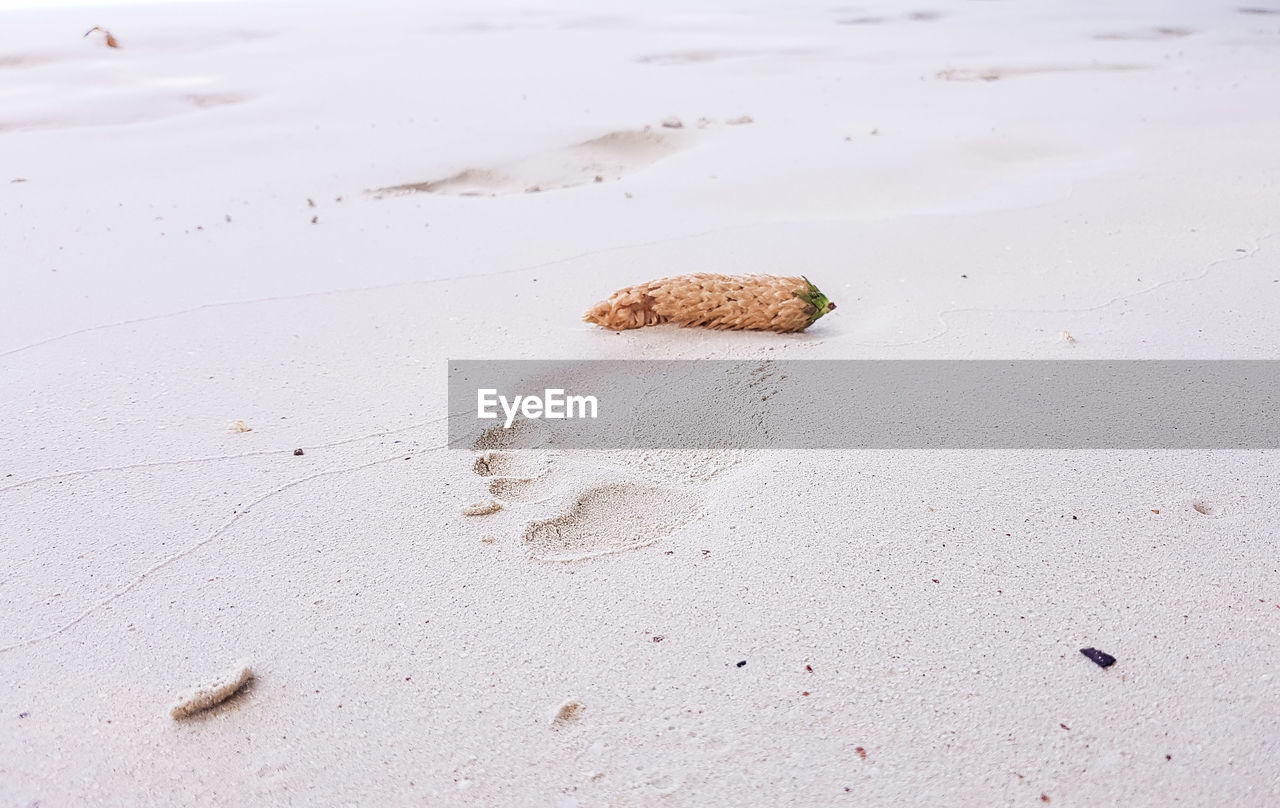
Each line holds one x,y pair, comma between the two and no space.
815,298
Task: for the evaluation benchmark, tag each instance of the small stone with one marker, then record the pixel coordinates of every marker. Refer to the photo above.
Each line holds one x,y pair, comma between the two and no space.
739,121
1100,658
298,453
742,663
672,123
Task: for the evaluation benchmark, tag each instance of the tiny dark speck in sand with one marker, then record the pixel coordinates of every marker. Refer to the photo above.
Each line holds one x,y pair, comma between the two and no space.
658,638
1044,798
1100,658
298,453
23,715
862,753
742,663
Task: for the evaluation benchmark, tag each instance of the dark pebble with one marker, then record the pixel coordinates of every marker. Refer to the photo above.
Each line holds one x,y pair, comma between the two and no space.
1101,658
743,662
298,453
23,715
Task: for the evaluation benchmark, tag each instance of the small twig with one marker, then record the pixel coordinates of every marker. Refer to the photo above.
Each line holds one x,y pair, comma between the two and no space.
112,42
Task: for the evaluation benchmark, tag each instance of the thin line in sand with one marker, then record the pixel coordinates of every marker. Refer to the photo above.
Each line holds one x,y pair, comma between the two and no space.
210,458
217,532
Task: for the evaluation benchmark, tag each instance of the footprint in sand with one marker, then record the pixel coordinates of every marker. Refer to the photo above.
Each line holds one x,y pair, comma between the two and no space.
581,504
601,159
125,107
914,16
1148,34
599,502
998,73
610,519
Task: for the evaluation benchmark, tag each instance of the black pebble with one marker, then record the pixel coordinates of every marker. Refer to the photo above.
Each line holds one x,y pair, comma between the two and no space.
1101,658
743,662
23,715
297,453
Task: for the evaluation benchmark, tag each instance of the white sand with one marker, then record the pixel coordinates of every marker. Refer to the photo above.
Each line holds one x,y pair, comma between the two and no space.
971,185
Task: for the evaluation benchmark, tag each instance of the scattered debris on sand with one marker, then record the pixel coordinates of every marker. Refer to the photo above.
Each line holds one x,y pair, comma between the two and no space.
215,691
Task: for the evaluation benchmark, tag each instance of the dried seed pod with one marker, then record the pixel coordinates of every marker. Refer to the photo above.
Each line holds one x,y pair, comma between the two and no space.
707,300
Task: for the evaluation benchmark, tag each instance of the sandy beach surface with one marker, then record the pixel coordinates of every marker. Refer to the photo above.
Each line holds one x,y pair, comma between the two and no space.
292,215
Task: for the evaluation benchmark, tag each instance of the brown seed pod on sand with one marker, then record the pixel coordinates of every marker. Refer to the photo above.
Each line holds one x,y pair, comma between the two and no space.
736,302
